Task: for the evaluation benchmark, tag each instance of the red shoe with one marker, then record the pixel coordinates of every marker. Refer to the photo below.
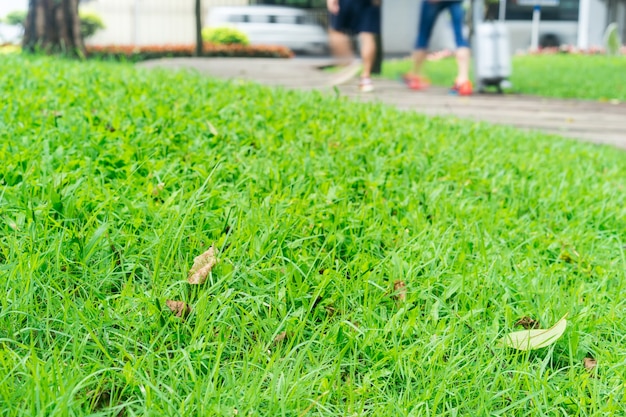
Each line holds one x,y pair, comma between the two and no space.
463,89
415,82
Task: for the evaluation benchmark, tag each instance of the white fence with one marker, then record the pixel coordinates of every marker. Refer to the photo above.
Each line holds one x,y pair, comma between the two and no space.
148,22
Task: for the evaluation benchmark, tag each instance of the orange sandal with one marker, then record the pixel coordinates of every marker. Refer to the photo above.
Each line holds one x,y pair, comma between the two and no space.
415,82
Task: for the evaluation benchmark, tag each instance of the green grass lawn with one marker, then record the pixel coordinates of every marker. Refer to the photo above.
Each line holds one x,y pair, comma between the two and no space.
114,179
595,77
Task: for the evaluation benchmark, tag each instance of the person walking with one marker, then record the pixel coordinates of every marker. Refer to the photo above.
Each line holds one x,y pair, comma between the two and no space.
348,17
431,9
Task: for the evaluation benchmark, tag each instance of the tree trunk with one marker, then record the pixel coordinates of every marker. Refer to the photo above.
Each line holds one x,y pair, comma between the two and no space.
199,27
53,26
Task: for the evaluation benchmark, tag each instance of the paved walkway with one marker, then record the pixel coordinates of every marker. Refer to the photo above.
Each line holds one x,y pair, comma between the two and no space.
587,120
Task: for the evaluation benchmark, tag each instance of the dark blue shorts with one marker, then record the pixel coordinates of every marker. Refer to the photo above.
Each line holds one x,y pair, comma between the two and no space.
428,17
356,16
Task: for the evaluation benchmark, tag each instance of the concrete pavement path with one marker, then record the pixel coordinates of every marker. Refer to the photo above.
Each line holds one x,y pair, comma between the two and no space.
587,120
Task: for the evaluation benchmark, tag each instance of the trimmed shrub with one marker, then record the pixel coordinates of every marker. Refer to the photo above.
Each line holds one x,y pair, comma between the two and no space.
90,23
225,35
142,53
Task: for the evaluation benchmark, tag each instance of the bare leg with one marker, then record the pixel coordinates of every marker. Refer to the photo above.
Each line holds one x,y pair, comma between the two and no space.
341,47
419,56
463,65
368,53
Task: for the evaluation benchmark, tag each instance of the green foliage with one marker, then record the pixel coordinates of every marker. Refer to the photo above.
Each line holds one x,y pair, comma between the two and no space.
90,22
612,40
114,179
225,36
17,17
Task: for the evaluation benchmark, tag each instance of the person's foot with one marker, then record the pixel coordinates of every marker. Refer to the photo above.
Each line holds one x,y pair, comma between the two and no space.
346,73
366,85
462,89
415,82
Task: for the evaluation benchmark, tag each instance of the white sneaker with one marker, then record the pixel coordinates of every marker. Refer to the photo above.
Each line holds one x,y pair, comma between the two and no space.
366,85
346,74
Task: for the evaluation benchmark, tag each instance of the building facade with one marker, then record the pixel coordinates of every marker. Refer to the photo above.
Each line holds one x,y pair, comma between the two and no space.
149,22
160,22
573,22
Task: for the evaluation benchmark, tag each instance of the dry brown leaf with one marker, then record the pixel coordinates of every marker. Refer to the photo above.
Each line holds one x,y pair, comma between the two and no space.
590,363
156,190
280,337
179,308
399,289
330,310
202,265
527,323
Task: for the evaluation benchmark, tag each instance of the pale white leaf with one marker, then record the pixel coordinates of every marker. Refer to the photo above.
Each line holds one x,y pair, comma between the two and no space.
212,128
536,338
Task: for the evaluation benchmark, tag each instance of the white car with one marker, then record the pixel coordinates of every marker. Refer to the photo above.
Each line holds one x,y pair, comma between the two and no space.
273,25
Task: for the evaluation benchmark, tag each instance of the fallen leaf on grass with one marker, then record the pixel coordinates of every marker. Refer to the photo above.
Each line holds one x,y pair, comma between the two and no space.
330,310
590,363
399,289
537,338
280,337
179,308
55,113
566,257
212,128
527,323
156,190
202,265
